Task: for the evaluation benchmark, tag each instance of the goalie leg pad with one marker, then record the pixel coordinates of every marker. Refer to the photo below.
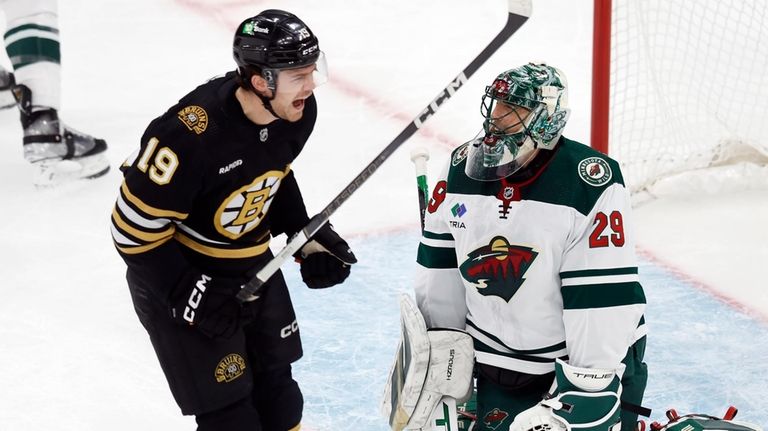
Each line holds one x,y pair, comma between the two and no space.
409,369
429,365
451,360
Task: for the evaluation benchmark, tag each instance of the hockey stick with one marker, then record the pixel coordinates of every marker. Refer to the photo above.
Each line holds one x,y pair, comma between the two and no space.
419,157
519,11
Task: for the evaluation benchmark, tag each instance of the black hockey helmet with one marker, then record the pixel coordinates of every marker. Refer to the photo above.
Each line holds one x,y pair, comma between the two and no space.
273,40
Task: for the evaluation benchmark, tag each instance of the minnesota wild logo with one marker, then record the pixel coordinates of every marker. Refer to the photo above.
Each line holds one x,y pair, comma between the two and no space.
497,269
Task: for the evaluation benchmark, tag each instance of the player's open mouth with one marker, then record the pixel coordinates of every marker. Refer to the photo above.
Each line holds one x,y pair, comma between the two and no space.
298,104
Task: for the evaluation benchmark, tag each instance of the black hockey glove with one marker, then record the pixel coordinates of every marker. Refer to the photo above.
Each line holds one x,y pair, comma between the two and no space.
326,259
207,304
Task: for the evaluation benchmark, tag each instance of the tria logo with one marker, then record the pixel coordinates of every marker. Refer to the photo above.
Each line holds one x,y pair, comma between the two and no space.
497,269
458,210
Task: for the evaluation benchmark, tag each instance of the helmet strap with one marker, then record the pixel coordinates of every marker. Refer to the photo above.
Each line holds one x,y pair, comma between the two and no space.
269,75
267,102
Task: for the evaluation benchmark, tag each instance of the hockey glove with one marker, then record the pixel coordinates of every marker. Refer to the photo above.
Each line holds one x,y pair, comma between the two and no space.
209,305
586,399
325,259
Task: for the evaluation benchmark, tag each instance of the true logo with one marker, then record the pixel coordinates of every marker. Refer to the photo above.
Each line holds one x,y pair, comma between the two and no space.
229,368
263,134
595,171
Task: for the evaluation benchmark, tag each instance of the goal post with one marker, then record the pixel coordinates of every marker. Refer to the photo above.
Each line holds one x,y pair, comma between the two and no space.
679,86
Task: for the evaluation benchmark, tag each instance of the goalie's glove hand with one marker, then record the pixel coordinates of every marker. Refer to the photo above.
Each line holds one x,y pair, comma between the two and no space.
585,398
207,304
326,259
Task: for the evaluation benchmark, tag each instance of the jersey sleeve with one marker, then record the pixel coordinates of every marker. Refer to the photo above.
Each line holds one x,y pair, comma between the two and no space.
440,293
288,214
158,189
603,301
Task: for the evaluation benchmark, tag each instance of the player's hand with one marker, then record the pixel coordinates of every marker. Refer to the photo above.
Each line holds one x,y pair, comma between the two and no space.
207,304
585,398
326,259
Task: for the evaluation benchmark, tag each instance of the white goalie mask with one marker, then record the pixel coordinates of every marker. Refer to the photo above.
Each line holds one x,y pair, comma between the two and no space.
525,109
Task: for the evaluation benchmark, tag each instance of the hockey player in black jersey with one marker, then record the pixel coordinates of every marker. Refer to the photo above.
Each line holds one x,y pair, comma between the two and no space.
201,198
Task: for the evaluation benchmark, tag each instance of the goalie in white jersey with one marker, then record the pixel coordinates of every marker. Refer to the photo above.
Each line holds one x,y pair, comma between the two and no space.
529,246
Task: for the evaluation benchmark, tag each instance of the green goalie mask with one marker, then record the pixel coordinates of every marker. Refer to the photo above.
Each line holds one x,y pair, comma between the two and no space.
525,109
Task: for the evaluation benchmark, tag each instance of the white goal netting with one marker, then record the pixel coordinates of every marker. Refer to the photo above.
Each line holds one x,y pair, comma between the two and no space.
689,89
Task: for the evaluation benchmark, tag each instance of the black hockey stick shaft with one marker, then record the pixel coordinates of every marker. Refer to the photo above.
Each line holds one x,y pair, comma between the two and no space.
519,11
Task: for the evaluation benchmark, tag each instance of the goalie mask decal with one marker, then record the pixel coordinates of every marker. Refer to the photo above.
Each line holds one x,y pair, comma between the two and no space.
497,269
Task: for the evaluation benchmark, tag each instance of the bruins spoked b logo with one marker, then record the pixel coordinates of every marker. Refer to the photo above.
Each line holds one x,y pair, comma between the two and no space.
244,209
229,368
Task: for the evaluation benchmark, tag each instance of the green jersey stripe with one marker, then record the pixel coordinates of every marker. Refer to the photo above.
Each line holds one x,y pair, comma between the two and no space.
33,50
436,257
30,27
549,349
481,347
441,236
584,296
599,272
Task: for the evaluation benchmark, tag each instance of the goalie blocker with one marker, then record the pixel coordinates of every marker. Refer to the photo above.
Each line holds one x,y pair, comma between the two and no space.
432,370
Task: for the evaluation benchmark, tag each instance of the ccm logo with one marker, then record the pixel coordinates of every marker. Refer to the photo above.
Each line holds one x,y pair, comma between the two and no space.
194,298
290,329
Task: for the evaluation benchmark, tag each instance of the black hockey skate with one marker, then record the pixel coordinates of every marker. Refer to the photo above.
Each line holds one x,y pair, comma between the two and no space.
6,84
59,152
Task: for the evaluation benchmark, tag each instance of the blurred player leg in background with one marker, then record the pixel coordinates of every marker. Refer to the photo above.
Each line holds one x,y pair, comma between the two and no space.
31,40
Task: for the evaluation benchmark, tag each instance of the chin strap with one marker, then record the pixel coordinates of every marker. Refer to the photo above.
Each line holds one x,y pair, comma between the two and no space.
267,102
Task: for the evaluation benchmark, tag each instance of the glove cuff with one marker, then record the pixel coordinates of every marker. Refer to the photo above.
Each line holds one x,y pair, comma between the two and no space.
569,377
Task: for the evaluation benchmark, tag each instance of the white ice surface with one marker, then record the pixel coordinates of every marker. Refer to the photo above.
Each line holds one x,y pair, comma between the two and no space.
73,356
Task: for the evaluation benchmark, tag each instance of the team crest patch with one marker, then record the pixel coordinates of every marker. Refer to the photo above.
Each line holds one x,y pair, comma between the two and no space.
498,268
495,418
460,154
595,171
247,206
230,368
195,118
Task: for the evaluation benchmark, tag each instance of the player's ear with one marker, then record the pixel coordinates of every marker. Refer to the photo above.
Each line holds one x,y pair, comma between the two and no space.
259,84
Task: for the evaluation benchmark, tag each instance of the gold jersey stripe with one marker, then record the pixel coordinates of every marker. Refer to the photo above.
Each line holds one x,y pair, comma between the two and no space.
141,248
140,234
221,252
296,428
148,209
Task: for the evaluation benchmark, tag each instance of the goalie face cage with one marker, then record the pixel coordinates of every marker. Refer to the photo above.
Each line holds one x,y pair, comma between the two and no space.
679,86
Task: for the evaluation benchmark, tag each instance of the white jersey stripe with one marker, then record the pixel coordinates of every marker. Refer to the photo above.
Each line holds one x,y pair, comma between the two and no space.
601,279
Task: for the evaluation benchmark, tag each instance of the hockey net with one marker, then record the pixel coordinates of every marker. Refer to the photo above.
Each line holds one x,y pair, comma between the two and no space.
688,91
